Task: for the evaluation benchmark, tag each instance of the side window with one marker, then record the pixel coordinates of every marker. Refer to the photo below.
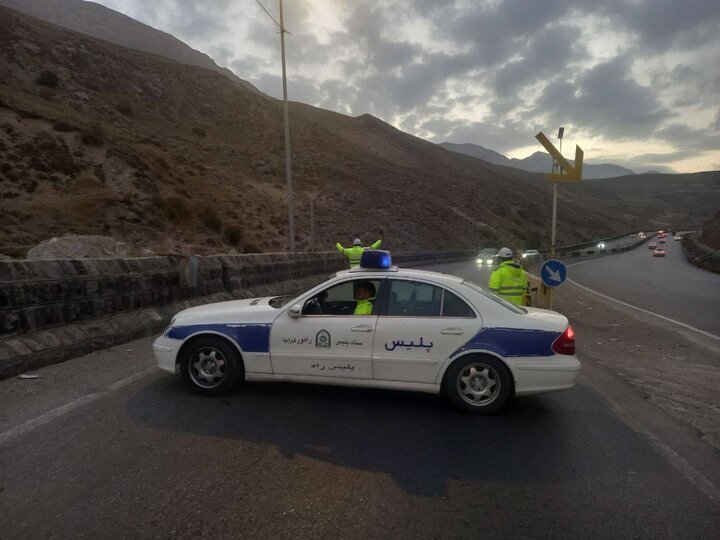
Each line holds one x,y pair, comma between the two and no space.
413,299
454,306
342,299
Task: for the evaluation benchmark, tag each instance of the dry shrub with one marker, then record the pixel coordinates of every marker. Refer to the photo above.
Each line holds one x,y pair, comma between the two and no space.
210,218
94,135
47,78
62,126
124,107
86,182
234,235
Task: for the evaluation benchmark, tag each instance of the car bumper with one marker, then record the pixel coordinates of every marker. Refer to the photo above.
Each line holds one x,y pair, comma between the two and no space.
540,375
165,351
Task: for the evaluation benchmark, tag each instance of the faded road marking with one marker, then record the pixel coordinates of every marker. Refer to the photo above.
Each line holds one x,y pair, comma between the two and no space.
34,423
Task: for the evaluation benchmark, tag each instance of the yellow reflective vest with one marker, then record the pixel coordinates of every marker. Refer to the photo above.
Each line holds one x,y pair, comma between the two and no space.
509,281
364,307
354,253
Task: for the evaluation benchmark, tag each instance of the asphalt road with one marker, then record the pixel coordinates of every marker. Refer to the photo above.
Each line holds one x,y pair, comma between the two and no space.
669,286
107,446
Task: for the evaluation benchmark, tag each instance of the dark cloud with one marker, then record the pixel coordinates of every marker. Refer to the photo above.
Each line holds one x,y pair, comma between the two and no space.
682,135
545,56
605,100
525,64
668,157
663,24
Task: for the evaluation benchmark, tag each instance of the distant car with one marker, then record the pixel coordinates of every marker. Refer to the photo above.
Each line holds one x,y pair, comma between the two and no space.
633,235
662,240
427,332
531,254
487,256
659,252
677,237
652,245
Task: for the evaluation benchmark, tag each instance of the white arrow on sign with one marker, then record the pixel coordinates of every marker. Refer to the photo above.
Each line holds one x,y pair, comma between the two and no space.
554,274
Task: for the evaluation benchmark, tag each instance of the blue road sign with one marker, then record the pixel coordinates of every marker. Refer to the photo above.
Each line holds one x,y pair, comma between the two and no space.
553,273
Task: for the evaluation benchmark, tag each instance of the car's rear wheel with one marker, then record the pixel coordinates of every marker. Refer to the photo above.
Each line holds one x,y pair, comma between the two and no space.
211,366
478,384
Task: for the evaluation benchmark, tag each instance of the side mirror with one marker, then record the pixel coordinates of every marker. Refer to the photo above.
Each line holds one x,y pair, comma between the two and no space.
295,311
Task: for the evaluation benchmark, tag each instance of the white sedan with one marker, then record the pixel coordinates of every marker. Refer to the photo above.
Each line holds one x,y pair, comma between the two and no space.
425,331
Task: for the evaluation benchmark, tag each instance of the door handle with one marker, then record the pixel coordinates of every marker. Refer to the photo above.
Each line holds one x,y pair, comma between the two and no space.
452,331
362,328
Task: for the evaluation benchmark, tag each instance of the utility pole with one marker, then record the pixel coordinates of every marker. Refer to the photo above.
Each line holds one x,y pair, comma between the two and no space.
561,131
288,164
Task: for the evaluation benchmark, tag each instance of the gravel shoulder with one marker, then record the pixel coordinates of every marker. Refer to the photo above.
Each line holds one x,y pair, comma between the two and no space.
672,368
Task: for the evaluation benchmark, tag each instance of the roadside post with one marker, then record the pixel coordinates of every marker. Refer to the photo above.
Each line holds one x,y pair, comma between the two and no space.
567,173
552,274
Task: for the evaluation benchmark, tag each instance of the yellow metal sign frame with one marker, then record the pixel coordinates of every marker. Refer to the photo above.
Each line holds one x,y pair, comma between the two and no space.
573,173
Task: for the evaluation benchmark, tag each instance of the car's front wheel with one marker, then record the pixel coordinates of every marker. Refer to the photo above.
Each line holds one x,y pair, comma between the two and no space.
211,366
478,384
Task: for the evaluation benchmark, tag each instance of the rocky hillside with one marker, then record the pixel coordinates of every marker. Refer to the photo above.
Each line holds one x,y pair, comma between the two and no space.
96,139
101,22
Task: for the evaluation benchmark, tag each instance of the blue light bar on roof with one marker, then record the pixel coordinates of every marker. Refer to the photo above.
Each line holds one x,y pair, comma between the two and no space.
376,259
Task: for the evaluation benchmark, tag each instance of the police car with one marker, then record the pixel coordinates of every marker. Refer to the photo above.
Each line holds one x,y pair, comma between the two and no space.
427,332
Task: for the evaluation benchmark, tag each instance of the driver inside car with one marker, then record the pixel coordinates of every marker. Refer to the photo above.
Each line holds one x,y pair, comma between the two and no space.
365,295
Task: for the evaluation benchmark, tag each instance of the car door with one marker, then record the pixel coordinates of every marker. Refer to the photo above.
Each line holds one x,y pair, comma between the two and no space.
327,339
420,326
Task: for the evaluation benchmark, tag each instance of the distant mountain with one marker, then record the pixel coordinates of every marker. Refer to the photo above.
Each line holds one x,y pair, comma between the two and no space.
537,162
98,21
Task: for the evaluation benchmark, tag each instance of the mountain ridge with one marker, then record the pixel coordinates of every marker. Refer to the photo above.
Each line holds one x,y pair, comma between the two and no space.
536,162
101,22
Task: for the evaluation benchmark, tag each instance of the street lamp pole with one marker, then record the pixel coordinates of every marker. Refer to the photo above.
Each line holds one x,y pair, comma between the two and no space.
288,164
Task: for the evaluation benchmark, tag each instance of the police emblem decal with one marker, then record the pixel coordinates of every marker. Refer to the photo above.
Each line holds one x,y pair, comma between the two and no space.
322,339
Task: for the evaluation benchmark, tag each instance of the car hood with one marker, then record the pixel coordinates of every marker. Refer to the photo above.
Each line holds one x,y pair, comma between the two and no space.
255,310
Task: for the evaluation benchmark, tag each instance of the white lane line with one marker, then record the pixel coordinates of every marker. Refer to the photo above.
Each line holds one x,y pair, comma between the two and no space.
34,423
663,317
672,457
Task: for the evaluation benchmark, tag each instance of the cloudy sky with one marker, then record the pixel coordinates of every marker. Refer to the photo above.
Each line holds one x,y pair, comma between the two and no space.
634,82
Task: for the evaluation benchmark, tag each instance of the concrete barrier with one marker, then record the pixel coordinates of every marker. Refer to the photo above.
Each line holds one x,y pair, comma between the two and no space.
53,310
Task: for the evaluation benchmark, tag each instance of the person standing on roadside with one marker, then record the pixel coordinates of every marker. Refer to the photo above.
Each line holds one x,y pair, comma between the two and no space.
354,253
509,280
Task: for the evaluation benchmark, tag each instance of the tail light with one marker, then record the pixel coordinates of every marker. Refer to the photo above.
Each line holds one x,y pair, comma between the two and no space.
565,343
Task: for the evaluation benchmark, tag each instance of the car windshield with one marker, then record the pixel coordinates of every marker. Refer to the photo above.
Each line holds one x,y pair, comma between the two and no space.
477,288
283,300
488,251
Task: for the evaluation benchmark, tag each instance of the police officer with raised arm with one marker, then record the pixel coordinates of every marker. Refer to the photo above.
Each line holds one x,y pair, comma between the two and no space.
355,252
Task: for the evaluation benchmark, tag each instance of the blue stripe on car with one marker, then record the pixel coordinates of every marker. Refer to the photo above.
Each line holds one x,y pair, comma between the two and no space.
512,342
250,337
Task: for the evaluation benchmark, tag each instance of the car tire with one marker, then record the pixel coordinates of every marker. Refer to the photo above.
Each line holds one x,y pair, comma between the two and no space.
478,384
211,366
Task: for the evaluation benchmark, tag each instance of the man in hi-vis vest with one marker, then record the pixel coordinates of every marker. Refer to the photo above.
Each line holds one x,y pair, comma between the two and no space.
509,280
355,252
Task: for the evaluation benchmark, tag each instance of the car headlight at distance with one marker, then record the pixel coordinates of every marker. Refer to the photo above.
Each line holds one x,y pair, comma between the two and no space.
601,245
